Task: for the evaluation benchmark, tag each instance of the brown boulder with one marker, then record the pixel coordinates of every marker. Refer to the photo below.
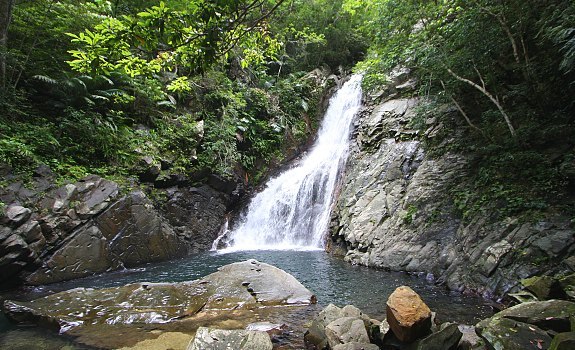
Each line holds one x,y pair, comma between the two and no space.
408,316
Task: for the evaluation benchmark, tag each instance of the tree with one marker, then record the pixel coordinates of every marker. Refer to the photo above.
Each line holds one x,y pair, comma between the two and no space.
168,38
6,7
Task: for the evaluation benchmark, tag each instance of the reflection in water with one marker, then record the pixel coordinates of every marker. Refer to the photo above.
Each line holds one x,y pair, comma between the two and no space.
331,279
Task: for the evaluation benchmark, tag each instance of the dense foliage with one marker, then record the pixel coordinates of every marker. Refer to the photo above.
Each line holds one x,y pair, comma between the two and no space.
198,86
220,86
507,67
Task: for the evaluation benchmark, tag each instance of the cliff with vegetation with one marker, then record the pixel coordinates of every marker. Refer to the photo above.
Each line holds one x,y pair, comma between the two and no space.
462,167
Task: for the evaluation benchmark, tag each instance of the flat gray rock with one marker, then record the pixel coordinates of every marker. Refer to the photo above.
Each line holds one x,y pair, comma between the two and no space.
244,285
220,339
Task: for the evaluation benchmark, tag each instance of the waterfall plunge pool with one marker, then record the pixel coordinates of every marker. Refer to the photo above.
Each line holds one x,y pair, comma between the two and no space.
330,278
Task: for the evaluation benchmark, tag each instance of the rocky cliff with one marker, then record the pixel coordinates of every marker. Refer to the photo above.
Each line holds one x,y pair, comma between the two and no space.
396,209
50,234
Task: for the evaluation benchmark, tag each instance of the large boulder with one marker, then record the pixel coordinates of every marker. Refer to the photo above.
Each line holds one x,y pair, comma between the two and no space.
408,316
544,287
563,341
248,285
504,333
447,338
127,233
526,325
219,339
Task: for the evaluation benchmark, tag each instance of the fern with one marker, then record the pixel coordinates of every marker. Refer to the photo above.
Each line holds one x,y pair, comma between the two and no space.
46,79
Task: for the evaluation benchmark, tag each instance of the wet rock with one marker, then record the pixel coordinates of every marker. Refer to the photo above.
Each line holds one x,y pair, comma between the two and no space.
136,232
128,233
563,341
85,254
527,325
345,330
197,214
504,333
447,338
219,339
408,316
547,315
160,303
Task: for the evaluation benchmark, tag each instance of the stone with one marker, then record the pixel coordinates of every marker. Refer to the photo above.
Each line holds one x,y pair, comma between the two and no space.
219,339
345,330
197,214
547,315
408,316
447,338
248,285
16,215
356,346
470,339
150,169
507,334
95,194
137,234
85,254
30,231
315,336
563,341
544,287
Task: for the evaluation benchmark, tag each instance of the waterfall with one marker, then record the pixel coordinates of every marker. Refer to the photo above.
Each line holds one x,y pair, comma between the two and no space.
293,211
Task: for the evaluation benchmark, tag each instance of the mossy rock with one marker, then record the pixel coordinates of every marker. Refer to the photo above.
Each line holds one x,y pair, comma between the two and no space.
544,287
563,341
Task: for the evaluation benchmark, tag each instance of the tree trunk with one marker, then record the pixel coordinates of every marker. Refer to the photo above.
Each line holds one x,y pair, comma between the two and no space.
6,7
489,96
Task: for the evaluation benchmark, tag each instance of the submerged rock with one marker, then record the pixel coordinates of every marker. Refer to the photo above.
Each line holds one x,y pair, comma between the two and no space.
245,285
408,316
219,339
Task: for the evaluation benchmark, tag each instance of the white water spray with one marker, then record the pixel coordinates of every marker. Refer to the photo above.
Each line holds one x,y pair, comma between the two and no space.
293,211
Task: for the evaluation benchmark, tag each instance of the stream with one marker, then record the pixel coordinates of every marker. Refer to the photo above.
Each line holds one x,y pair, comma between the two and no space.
330,278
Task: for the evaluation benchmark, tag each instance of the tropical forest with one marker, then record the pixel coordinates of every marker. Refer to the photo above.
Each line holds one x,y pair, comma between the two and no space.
287,174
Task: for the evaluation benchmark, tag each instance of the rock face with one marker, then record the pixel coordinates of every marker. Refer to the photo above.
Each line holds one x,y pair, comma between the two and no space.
219,339
396,210
246,285
197,214
408,316
89,227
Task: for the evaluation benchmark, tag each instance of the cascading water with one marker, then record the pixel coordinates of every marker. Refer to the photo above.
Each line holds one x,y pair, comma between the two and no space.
293,211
